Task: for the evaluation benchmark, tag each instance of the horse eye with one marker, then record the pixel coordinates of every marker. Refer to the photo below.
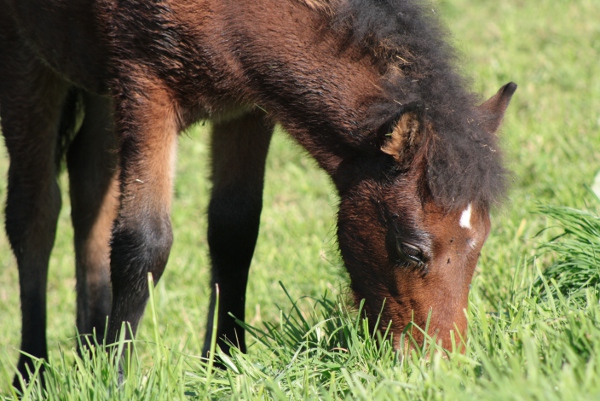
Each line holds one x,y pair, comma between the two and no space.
410,253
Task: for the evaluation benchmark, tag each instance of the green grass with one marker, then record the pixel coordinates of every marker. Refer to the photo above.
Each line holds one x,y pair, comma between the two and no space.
525,342
578,248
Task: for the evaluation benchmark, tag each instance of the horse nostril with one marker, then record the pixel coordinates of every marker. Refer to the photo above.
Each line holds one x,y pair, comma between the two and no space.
448,262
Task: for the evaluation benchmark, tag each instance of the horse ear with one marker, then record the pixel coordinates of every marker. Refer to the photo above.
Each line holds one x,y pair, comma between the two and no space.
403,132
492,110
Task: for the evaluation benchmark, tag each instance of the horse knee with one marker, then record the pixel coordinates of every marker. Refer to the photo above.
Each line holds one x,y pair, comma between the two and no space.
137,250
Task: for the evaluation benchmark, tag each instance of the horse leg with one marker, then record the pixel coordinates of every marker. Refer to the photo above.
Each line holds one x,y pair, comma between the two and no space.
141,238
92,164
32,99
239,151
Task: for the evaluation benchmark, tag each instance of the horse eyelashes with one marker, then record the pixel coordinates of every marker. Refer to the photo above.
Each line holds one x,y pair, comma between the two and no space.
410,254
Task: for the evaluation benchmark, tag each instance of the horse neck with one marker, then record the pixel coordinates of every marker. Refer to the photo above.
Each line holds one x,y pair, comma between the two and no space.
305,75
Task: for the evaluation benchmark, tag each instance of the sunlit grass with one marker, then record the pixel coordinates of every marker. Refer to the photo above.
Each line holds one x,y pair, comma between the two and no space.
307,342
577,246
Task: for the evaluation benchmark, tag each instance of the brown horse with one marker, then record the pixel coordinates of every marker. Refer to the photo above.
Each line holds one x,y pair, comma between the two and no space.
369,88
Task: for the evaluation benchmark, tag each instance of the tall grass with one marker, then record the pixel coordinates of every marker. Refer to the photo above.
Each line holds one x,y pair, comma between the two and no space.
536,348
577,247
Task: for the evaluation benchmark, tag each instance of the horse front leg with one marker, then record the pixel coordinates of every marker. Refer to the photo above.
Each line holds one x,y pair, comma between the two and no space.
141,238
92,163
239,151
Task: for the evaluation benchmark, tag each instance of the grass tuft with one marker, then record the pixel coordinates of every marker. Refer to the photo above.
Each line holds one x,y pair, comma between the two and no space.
576,248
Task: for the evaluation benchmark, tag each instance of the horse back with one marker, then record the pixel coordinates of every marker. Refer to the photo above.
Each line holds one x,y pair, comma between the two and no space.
213,57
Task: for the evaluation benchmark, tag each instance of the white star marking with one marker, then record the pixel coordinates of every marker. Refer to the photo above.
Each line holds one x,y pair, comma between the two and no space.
465,218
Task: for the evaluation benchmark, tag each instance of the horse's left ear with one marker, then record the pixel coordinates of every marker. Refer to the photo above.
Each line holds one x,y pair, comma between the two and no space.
492,110
404,132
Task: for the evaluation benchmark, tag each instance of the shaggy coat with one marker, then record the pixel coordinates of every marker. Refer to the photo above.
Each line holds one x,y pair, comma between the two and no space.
370,88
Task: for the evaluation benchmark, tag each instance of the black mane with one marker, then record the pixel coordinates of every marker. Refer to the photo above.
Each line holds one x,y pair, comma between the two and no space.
410,43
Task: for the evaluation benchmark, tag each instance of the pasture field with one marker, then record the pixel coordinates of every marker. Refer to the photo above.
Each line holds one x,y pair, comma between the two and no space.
526,341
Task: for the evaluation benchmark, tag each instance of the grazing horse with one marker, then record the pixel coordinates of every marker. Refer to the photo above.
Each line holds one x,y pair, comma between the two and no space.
369,88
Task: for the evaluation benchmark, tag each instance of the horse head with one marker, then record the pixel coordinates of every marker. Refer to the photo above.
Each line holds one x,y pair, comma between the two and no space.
410,253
